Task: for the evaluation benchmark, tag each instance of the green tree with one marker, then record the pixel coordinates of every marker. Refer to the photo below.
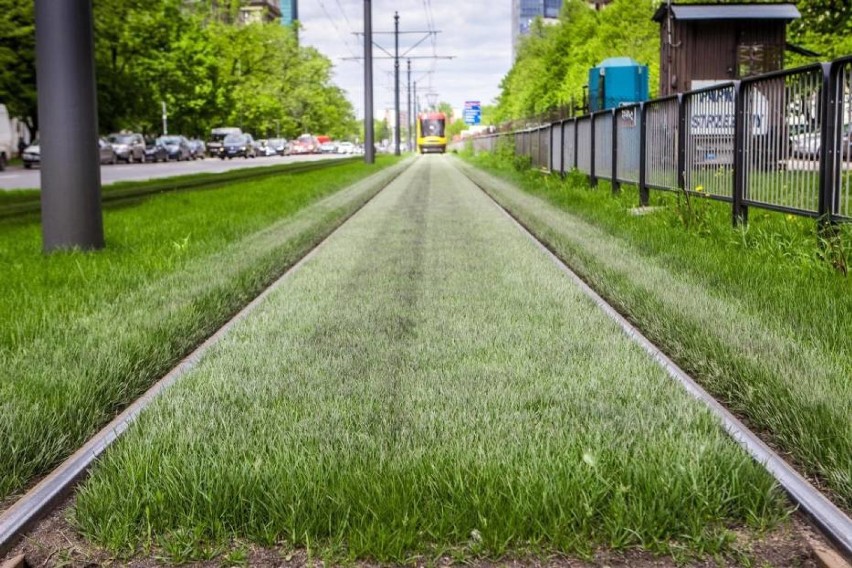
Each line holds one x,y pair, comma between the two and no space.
17,61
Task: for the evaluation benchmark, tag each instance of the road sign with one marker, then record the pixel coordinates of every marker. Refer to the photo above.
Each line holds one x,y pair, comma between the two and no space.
472,112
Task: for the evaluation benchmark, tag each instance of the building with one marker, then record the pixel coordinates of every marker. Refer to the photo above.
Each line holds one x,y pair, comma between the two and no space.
259,11
289,11
524,12
703,44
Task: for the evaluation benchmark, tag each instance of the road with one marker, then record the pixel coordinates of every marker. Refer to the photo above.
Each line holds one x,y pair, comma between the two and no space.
17,177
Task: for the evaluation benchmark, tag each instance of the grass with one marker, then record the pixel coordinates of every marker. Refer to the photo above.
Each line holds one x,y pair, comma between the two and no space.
429,384
761,315
83,334
27,200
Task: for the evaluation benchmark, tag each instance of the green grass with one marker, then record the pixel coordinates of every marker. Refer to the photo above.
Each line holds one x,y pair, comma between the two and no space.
83,334
428,384
760,315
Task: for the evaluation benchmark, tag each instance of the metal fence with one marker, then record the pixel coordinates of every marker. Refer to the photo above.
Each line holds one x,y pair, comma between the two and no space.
780,141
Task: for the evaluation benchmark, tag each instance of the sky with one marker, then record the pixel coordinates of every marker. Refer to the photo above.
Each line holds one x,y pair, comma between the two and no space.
477,33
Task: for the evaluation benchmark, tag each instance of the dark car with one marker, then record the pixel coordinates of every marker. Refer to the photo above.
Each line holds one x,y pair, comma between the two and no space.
156,152
278,145
237,146
198,148
177,147
107,154
129,147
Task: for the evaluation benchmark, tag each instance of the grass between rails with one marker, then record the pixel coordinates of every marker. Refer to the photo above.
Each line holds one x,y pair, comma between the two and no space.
760,316
429,383
83,334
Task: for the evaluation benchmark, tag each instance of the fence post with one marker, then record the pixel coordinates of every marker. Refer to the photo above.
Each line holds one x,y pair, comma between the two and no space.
615,185
576,139
739,213
681,142
827,147
593,180
643,164
562,149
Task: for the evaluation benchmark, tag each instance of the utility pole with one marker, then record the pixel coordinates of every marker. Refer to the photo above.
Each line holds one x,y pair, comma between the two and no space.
416,118
71,214
396,82
165,120
408,115
369,146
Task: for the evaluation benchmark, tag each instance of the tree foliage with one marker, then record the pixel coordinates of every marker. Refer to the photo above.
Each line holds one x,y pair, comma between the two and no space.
552,63
195,58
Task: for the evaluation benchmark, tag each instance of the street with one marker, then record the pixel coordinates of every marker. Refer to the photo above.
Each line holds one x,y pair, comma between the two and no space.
16,177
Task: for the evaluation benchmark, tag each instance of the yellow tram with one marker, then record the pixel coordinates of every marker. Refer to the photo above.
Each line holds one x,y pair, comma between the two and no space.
432,132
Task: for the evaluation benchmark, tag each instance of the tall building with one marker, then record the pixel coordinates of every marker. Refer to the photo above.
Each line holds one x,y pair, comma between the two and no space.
289,11
524,12
258,11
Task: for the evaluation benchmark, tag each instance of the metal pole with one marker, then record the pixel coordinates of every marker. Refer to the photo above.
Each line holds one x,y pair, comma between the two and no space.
68,123
369,144
396,82
165,120
408,120
416,112
643,165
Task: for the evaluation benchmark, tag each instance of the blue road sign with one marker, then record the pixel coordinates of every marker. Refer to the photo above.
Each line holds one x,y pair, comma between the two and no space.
472,112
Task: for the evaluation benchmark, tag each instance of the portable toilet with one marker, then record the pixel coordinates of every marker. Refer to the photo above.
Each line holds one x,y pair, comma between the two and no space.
617,81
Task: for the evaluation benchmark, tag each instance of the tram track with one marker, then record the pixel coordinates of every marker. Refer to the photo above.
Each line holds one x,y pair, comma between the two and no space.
829,519
50,491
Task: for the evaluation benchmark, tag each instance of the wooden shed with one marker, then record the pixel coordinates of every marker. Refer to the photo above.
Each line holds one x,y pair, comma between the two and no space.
703,43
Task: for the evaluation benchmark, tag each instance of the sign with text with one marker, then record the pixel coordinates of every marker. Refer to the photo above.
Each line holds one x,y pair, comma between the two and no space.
472,112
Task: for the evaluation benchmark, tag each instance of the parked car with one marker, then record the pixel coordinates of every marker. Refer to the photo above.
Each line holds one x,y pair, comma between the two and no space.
32,155
107,154
177,147
278,145
129,147
261,148
346,148
198,148
305,144
217,137
237,146
156,152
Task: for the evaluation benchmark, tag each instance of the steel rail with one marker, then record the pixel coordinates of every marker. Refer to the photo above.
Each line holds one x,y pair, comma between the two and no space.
828,518
38,501
195,181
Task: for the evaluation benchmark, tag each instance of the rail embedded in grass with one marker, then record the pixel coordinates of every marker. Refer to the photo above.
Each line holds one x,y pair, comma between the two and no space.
84,334
428,382
755,315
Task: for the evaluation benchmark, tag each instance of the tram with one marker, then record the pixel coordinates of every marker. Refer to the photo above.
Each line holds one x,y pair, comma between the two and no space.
432,132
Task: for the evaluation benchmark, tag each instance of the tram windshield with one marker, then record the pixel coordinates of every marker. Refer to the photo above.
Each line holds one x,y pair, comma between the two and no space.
432,127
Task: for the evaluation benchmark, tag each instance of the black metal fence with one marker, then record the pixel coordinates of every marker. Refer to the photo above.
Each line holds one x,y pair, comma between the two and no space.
780,141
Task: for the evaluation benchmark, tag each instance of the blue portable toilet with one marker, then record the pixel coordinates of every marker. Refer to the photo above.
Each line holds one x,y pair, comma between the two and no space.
617,81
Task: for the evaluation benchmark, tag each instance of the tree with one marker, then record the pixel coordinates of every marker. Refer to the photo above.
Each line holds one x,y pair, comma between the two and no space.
17,62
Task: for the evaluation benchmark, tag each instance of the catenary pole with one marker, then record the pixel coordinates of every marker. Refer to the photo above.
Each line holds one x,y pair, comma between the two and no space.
408,114
396,82
416,117
68,124
369,144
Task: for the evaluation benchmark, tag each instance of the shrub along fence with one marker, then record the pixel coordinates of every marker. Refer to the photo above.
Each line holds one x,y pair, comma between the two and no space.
780,141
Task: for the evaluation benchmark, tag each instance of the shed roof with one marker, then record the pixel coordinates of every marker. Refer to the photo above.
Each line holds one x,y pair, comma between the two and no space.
785,11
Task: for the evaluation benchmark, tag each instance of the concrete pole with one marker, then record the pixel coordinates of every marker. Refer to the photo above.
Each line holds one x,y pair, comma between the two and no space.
369,143
409,122
396,82
416,117
68,122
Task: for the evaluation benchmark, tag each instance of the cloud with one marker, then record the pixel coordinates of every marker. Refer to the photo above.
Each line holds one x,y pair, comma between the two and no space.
477,33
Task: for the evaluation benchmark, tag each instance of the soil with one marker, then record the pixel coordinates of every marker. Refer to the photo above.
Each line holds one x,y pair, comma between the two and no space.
53,542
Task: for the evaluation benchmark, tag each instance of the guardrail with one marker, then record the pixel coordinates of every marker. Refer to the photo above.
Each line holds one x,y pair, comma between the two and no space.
780,141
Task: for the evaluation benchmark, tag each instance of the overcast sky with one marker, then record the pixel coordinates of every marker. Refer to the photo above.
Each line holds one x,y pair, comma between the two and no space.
477,33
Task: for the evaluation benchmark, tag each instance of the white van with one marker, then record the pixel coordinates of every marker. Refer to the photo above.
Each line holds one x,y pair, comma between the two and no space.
7,140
